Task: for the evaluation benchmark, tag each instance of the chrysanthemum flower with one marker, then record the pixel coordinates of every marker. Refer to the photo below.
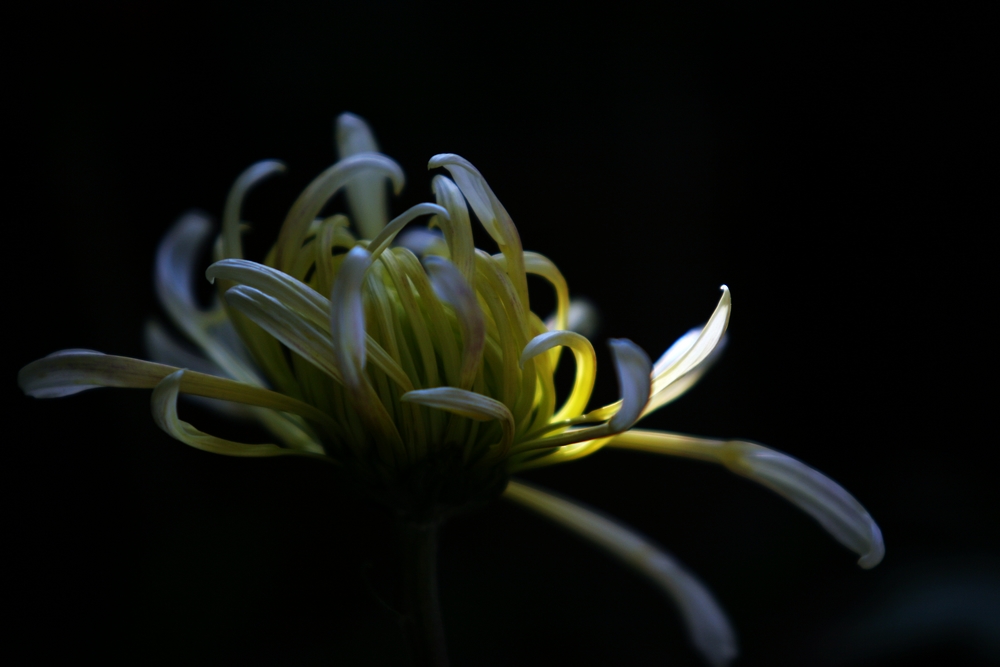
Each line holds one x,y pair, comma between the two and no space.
419,368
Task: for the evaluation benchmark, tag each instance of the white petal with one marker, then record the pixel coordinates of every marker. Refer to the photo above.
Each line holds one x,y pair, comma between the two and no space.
420,241
164,403
706,623
367,194
633,368
681,385
817,495
583,317
690,353
811,491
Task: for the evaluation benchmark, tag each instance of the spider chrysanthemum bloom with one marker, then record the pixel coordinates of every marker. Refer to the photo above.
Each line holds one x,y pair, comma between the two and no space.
419,368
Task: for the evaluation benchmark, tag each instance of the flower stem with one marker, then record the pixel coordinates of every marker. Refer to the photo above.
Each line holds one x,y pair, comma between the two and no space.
421,605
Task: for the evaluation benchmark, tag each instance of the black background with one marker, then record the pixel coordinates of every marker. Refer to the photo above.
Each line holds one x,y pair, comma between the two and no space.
825,163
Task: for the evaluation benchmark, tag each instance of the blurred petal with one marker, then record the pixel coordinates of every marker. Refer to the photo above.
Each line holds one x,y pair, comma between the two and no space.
386,236
811,491
707,625
367,194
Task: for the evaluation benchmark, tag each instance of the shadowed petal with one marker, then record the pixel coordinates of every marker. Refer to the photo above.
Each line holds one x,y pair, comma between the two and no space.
164,403
707,625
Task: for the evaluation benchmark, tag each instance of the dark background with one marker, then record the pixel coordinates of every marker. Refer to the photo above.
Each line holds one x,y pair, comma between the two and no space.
825,163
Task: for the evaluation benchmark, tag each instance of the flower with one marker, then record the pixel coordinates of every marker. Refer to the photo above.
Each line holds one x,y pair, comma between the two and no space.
419,370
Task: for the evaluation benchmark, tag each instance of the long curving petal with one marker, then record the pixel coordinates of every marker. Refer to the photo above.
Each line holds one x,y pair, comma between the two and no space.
810,490
164,403
69,372
318,193
491,214
706,623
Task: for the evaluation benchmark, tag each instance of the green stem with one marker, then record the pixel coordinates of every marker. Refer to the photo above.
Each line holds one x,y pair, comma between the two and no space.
421,605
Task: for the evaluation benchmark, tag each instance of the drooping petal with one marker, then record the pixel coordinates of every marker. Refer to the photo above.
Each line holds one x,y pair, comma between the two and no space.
164,403
811,491
583,317
491,214
68,372
586,367
451,287
707,625
457,229
232,245
633,368
467,404
366,194
691,352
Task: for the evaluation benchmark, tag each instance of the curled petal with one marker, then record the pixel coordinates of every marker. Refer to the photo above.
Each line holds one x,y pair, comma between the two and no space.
633,368
688,352
586,367
315,196
491,214
467,404
583,317
457,229
810,490
164,402
707,625
366,193
232,245
451,287
385,237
